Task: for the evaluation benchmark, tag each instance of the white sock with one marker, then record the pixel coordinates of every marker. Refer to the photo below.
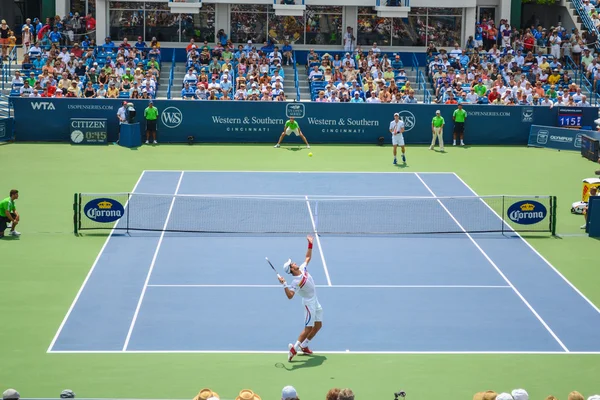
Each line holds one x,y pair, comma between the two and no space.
305,343
298,345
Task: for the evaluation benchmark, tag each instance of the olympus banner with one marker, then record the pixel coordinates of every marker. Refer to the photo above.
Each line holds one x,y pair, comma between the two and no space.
558,138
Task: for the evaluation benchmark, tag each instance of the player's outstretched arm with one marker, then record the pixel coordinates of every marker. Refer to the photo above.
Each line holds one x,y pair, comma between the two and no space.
309,251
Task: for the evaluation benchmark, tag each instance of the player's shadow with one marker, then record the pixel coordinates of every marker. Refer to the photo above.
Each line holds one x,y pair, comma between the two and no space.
306,362
293,148
401,165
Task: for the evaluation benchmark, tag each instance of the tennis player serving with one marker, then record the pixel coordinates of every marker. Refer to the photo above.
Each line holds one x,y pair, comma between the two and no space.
292,126
304,285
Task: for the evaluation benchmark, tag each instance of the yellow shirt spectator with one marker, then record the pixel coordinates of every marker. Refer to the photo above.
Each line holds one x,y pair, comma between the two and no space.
112,92
554,78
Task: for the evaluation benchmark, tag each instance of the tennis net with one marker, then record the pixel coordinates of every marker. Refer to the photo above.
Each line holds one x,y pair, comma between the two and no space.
324,215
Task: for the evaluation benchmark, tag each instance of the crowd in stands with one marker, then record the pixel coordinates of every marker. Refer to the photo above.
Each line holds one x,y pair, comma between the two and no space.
60,31
371,77
504,65
88,70
226,73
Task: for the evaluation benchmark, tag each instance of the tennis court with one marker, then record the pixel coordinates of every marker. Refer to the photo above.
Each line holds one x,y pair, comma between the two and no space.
431,293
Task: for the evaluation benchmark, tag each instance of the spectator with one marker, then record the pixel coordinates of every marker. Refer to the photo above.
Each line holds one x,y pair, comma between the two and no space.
247,394
332,394
67,394
11,394
289,393
4,39
346,394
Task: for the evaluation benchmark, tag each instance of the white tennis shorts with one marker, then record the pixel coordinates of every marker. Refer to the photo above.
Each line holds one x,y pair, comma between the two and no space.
313,311
289,131
398,139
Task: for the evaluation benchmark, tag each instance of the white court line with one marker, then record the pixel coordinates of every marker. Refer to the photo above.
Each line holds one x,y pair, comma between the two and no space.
533,249
325,352
64,321
312,220
497,269
295,172
162,235
340,286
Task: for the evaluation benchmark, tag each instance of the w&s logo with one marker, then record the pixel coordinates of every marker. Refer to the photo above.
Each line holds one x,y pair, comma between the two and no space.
42,105
172,117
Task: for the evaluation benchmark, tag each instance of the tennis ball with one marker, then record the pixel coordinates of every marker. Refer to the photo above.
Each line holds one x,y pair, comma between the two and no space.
310,154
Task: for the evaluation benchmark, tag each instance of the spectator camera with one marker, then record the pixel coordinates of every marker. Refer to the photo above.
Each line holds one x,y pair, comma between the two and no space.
130,113
399,394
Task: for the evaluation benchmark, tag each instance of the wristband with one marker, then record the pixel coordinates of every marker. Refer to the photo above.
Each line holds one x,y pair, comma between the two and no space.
310,245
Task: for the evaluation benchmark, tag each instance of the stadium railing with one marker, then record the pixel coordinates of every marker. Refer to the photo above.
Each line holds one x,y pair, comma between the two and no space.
422,85
171,76
296,82
5,106
415,62
586,19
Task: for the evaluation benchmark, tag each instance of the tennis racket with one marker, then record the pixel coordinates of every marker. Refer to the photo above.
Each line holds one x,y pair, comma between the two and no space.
267,258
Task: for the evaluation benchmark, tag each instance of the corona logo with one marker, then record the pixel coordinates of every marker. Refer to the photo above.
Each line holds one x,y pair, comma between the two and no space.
105,205
527,207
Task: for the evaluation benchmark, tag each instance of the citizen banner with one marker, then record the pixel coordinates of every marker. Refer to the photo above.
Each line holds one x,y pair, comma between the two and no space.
89,131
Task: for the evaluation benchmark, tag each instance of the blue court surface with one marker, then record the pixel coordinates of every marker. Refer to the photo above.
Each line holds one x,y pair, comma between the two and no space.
454,293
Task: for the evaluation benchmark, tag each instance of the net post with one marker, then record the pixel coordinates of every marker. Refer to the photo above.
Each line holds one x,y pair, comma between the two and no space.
75,213
553,218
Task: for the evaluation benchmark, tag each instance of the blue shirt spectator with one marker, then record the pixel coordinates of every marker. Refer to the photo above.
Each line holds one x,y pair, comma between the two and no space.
108,45
55,35
140,44
187,91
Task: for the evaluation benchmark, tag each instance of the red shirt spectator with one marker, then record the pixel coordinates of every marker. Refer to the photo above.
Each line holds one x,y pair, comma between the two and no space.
77,51
529,42
493,95
90,22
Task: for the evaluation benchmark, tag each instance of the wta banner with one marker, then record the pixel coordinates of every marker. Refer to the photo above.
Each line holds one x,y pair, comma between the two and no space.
558,138
89,131
262,122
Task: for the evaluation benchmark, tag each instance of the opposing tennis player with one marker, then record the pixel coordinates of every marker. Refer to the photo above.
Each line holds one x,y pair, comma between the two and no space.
304,285
397,131
292,126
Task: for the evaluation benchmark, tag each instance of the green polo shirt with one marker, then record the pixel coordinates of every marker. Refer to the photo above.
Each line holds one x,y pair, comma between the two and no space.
437,121
151,114
7,205
293,125
459,115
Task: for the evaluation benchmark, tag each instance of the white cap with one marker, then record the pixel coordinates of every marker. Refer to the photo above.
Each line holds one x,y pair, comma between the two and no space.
437,112
520,394
249,41
289,392
396,114
286,268
504,396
